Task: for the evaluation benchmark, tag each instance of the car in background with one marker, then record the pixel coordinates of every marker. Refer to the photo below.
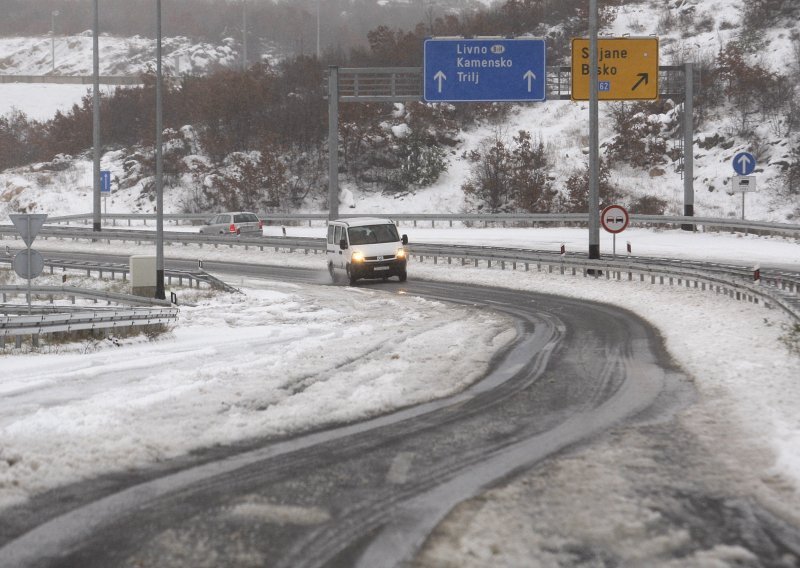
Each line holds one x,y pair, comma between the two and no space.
233,223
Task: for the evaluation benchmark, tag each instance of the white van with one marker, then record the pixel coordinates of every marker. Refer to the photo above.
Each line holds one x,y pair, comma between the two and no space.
365,248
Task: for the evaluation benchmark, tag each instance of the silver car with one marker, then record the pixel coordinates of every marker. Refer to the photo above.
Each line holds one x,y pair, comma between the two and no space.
233,223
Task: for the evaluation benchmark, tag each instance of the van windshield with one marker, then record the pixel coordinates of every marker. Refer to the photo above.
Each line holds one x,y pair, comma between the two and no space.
369,234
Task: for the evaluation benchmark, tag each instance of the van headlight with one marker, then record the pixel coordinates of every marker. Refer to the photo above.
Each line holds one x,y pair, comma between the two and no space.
401,253
358,256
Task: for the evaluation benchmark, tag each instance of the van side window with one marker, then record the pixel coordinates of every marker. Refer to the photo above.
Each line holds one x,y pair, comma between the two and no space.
337,237
330,235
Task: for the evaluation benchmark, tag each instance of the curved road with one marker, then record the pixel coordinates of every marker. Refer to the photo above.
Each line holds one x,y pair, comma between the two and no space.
366,494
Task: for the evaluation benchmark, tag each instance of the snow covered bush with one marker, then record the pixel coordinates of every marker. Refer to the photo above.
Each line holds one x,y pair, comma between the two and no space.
511,178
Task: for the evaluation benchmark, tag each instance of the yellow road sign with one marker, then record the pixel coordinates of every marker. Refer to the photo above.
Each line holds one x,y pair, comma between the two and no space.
627,69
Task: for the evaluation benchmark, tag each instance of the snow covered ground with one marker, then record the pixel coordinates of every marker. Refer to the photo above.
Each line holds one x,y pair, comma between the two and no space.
68,414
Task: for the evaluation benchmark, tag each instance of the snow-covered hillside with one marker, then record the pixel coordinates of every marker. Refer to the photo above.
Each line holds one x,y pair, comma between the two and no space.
689,30
118,55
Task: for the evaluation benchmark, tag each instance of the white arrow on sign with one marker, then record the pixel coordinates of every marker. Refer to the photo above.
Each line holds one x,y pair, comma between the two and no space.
744,162
440,77
530,76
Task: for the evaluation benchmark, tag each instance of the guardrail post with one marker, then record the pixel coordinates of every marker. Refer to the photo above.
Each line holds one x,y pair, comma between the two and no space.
35,341
18,341
2,341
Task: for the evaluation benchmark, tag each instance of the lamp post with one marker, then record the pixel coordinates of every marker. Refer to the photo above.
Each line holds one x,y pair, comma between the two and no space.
160,292
53,15
244,35
96,219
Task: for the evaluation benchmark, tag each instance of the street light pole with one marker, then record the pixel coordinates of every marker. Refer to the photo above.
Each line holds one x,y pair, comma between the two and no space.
160,293
53,15
96,221
244,35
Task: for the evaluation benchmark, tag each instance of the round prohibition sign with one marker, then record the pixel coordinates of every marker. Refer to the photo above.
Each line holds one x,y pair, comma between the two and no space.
614,218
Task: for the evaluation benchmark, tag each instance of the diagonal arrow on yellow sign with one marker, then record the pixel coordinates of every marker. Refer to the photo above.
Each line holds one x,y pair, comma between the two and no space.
627,69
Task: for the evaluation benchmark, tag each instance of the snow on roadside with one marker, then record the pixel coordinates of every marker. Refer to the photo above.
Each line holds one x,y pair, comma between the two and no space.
279,359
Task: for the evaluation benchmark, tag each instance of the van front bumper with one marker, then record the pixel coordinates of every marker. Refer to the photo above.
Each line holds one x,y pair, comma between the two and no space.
378,269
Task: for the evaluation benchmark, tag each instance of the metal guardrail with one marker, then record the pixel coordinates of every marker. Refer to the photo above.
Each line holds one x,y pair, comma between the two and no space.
777,288
192,278
140,312
781,289
466,218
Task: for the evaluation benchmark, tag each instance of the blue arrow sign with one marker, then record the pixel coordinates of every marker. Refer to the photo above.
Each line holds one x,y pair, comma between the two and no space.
744,163
105,182
484,70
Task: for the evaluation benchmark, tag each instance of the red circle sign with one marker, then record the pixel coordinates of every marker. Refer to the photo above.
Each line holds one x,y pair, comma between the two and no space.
614,218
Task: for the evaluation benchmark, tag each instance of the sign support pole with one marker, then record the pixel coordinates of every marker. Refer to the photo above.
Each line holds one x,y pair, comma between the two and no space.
333,143
30,268
594,138
688,146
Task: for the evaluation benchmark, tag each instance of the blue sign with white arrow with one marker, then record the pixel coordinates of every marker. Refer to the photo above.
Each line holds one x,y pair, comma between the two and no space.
744,163
105,181
484,70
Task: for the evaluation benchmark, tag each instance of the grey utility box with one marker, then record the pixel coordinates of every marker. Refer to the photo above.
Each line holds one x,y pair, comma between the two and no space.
143,275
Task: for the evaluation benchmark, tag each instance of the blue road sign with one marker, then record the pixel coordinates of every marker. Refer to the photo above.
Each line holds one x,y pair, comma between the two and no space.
484,70
744,163
105,182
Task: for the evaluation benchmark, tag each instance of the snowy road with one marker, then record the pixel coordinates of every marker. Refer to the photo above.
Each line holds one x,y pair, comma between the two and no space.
319,499
658,476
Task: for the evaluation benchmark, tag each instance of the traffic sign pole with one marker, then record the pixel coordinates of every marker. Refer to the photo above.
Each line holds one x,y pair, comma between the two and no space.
688,147
594,138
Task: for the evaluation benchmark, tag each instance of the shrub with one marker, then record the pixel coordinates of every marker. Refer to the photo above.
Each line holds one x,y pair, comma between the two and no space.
509,179
639,140
648,205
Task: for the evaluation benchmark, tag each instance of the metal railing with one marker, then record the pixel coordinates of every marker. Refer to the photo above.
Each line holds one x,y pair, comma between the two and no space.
16,322
781,290
192,278
471,219
775,288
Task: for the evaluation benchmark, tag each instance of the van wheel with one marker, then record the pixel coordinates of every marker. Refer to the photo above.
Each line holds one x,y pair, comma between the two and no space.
351,277
331,272
402,276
